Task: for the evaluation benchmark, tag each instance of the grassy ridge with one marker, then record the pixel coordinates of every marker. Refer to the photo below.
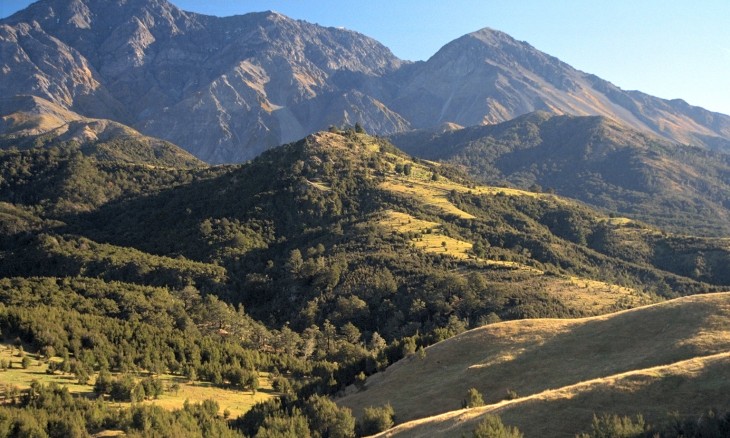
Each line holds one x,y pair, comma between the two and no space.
686,387
533,356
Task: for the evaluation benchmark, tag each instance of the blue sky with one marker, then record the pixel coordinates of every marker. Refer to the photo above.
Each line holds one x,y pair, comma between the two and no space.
668,48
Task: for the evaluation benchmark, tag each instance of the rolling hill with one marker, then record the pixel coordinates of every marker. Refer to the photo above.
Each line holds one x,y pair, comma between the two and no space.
30,121
653,360
351,196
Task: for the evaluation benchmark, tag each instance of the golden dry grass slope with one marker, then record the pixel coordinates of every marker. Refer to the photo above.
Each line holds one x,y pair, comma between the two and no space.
654,359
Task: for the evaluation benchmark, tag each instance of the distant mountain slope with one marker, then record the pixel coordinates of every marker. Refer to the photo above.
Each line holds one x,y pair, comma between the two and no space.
226,89
653,359
596,160
488,77
30,121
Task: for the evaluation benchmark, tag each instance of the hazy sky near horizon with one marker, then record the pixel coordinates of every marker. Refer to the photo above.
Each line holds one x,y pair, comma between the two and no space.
667,48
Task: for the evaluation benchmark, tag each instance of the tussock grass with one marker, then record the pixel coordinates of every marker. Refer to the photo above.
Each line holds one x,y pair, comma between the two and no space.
433,241
428,194
237,402
21,378
320,186
596,297
534,356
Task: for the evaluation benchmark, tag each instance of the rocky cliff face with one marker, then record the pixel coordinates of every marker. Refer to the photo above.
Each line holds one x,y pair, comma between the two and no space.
226,89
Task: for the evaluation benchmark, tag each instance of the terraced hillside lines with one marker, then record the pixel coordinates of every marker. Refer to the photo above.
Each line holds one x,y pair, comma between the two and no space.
532,356
687,387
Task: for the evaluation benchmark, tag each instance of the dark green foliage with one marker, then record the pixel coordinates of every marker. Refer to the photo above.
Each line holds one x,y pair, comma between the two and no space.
375,419
317,416
128,327
327,420
291,426
280,265
712,424
492,427
681,188
614,426
473,399
63,180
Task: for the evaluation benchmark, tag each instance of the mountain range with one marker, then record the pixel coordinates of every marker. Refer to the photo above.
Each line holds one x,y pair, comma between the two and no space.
550,251
341,254
226,89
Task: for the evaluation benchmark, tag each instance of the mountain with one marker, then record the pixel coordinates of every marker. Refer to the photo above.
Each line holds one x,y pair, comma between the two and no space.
223,88
487,77
226,89
651,361
593,159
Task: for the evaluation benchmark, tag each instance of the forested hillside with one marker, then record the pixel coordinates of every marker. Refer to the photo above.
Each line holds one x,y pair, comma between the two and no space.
677,187
317,264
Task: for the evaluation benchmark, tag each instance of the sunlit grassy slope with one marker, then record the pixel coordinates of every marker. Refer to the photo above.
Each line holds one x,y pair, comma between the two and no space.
671,352
688,388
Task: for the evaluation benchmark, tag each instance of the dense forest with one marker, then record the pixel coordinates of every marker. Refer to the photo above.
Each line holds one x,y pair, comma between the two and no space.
290,265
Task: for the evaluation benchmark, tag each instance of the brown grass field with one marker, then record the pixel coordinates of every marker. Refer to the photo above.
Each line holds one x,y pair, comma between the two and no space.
688,387
660,357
